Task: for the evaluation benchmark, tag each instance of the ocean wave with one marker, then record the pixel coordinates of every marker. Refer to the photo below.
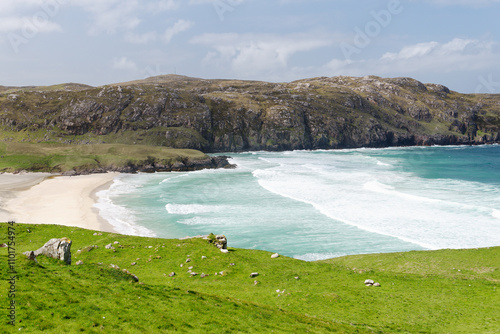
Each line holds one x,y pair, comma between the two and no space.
122,219
188,209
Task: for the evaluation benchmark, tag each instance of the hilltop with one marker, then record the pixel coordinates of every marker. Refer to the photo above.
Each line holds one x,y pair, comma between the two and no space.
234,115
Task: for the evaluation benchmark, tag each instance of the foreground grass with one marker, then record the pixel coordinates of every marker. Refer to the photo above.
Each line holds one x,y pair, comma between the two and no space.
44,157
449,291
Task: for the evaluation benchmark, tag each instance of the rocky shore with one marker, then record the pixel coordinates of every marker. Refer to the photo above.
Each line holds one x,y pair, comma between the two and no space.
180,166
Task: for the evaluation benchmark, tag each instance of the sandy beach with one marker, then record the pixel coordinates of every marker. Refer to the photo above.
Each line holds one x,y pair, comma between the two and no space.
40,198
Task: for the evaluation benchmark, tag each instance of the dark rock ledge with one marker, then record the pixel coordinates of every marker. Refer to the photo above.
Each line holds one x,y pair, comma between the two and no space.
179,166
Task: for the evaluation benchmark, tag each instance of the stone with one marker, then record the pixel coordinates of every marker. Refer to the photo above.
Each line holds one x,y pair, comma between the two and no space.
172,274
116,243
225,251
109,246
203,257
297,277
376,284
3,245
255,282
56,248
190,267
188,260
232,264
79,262
254,275
275,256
133,263
369,282
221,241
114,266
135,277
193,274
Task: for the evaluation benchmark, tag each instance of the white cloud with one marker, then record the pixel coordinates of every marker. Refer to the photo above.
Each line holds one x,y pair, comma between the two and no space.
253,55
110,15
431,57
141,38
28,25
178,27
123,63
152,36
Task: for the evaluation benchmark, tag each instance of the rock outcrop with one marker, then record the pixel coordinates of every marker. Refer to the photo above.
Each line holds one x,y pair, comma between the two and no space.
231,115
55,248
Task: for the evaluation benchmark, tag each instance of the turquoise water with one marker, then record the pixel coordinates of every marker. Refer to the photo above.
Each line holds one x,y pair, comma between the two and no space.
321,204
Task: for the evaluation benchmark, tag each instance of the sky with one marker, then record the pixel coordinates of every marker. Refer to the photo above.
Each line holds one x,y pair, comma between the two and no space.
96,42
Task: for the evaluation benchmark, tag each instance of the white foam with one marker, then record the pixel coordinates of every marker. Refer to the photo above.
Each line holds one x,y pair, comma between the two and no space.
318,256
187,209
122,219
431,213
495,213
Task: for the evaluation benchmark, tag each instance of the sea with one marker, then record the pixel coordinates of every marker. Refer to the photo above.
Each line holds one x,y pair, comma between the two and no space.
314,205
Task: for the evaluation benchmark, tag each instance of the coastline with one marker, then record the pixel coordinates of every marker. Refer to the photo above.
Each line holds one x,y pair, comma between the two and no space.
42,198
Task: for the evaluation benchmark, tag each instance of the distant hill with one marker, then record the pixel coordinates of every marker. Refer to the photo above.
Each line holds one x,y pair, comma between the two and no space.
234,115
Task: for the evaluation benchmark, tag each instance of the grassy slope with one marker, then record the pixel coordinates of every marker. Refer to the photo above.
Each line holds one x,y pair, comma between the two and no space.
421,291
44,157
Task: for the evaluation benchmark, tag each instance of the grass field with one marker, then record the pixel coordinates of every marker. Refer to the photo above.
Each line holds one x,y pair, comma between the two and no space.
45,157
447,291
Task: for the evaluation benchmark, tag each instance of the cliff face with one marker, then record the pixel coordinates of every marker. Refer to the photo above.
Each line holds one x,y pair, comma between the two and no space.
227,115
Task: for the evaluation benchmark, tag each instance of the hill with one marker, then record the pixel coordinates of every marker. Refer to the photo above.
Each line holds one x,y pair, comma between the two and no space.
233,115
447,291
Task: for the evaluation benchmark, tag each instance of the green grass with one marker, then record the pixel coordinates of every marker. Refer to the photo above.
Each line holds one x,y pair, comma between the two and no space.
46,157
448,291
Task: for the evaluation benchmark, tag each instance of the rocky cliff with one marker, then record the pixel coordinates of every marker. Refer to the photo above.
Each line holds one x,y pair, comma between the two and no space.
230,115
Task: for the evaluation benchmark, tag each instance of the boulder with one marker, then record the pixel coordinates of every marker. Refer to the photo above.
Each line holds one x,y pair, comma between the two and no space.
221,241
56,248
254,275
369,282
275,256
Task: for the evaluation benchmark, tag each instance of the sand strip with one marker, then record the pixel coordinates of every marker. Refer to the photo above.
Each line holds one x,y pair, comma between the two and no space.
61,200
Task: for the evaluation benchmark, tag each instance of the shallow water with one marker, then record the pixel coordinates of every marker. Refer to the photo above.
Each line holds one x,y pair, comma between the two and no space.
320,204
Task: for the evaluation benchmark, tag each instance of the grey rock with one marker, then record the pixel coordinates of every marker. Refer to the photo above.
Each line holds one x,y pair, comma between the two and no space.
369,282
79,262
172,274
275,256
133,263
109,246
221,241
55,248
376,284
254,275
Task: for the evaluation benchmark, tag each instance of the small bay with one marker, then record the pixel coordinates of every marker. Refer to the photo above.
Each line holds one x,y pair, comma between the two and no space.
321,204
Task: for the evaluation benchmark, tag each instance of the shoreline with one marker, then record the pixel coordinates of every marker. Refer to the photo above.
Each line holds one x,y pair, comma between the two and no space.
42,198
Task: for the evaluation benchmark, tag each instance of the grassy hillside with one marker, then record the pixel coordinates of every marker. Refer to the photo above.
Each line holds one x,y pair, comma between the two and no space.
449,291
46,157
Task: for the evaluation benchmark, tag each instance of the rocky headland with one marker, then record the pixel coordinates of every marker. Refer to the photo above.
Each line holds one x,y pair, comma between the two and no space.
231,115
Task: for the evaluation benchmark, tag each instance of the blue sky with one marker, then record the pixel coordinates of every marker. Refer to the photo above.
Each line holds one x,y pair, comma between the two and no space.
455,43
